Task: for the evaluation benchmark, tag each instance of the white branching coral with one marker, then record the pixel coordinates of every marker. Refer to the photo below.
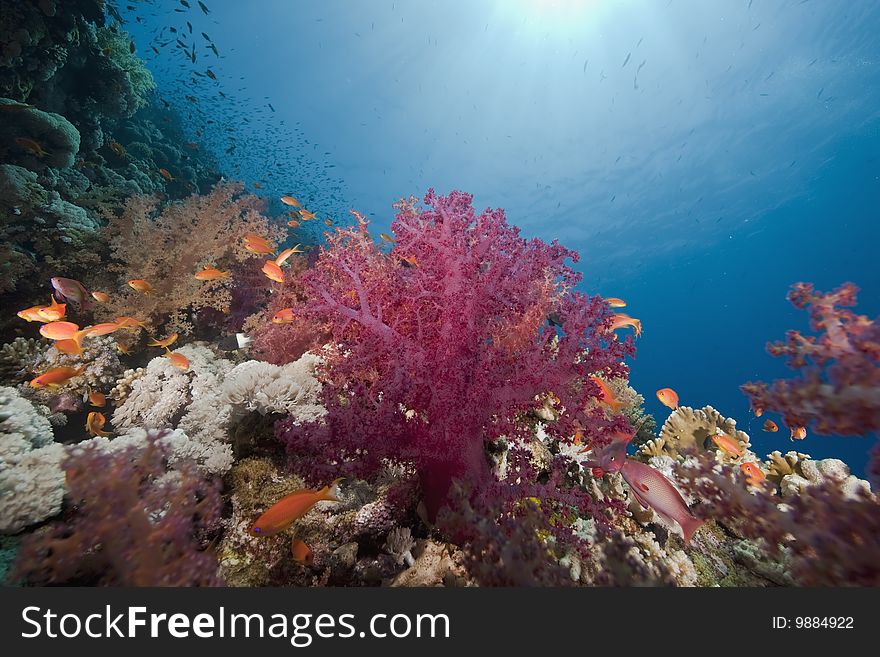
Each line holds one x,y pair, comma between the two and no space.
292,389
166,397
31,480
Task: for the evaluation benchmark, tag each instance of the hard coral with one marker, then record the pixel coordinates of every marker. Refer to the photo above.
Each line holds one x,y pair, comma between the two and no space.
438,349
132,524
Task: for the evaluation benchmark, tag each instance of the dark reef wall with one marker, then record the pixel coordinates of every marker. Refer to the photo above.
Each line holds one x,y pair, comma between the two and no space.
81,130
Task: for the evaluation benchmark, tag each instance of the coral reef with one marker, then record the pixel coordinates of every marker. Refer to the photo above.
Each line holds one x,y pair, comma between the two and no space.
131,524
689,429
34,139
168,247
292,389
31,481
166,397
433,360
837,390
825,534
284,343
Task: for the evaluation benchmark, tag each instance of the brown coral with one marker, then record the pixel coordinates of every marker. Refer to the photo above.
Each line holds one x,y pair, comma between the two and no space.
688,429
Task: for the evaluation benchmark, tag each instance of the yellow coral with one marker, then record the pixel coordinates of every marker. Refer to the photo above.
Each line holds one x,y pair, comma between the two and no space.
779,466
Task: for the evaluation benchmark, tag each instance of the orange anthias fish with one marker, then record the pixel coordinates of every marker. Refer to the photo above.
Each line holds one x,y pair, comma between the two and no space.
727,445
177,359
273,272
32,314
53,312
100,297
293,223
614,302
59,330
410,261
211,274
668,397
97,398
284,316
300,551
73,346
123,348
606,396
95,424
291,508
165,343
56,377
754,474
798,433
289,200
286,253
166,174
31,145
771,426
386,237
305,215
256,244
117,148
130,322
140,285
328,222
621,320
758,411
106,328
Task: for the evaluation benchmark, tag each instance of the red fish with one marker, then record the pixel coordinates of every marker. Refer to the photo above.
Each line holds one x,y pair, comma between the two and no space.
53,312
141,285
177,359
770,426
621,320
72,290
798,433
105,328
291,508
654,490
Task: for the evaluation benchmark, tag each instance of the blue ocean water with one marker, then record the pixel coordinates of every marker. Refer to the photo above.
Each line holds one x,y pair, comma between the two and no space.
701,157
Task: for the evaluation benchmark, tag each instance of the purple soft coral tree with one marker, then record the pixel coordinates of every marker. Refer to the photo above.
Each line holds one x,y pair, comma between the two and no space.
442,345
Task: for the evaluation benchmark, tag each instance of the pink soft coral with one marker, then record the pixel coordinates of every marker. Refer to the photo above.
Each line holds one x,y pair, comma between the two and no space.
442,346
839,387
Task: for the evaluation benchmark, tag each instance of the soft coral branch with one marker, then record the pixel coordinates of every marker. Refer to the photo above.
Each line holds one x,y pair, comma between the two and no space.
442,344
